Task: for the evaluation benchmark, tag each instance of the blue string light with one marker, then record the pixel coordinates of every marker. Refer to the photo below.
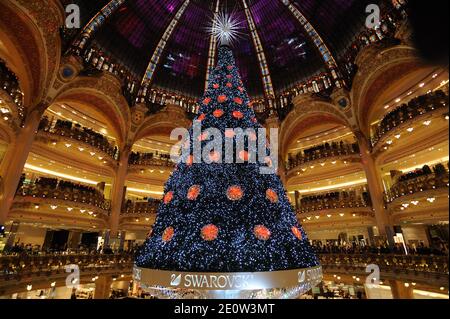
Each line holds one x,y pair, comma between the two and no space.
236,248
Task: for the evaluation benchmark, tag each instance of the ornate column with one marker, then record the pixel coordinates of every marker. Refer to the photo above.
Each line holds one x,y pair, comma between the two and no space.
103,287
401,290
15,158
118,190
376,189
273,122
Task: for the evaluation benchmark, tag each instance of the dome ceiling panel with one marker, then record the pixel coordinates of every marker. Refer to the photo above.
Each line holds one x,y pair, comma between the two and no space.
132,34
337,21
290,54
184,61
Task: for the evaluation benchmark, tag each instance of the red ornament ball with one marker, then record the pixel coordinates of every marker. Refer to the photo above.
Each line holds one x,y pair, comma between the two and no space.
214,156
241,89
268,161
207,101
243,155
190,160
262,233
272,196
229,76
222,98
229,85
216,86
238,100
210,232
235,193
229,133
201,117
218,113
168,198
203,137
230,67
238,115
168,234
193,192
297,233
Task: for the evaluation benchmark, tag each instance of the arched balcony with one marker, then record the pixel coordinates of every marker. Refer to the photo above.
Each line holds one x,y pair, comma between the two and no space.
139,215
51,201
420,197
327,152
429,270
335,209
77,137
150,160
42,270
419,110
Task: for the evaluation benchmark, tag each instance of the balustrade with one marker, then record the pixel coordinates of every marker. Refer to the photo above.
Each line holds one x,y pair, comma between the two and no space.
65,191
408,112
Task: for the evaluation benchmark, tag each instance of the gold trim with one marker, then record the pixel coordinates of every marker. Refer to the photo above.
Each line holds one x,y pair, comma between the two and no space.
228,281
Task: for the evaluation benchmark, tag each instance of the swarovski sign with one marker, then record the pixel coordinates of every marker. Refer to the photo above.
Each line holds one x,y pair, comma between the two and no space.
228,281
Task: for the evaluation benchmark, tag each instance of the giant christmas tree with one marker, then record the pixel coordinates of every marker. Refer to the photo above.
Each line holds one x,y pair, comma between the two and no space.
226,217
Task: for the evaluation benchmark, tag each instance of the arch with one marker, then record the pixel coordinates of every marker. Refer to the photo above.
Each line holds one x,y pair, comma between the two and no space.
31,43
162,123
308,111
104,95
380,67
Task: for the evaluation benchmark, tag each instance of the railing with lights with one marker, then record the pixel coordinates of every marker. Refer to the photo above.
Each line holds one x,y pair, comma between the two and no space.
427,182
322,152
10,84
37,268
141,208
67,192
150,159
334,201
325,81
408,112
76,132
431,269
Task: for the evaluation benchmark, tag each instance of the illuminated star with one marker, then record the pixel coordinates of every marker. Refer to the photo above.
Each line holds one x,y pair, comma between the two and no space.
225,27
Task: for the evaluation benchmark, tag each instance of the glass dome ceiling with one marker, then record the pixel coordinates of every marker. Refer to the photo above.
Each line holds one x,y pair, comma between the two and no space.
131,35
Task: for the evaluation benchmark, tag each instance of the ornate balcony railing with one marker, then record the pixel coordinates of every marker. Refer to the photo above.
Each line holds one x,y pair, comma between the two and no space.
417,185
149,160
82,135
10,84
16,271
140,208
323,152
29,269
309,205
432,270
94,199
408,112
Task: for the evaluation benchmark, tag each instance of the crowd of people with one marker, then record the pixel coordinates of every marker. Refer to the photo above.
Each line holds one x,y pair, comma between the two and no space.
80,133
424,171
10,83
150,159
146,206
416,107
419,181
438,249
325,150
335,199
61,189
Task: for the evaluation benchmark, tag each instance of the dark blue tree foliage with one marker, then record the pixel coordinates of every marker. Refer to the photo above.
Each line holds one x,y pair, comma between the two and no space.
177,242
